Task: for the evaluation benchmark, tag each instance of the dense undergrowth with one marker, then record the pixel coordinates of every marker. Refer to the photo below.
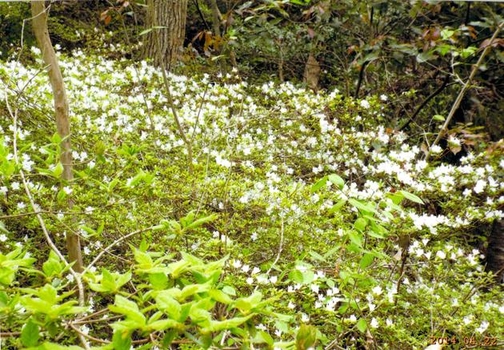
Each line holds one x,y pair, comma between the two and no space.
302,222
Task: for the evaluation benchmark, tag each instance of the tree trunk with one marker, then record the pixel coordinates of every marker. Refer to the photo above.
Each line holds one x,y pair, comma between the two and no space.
167,19
495,251
61,112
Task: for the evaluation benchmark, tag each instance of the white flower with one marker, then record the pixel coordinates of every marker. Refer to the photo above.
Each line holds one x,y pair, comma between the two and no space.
483,327
374,321
364,104
480,186
236,264
305,318
3,238
441,255
352,318
377,290
436,149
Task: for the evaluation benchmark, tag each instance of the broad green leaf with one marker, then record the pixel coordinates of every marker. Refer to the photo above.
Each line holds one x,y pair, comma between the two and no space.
248,303
144,261
30,333
121,340
2,228
169,305
108,280
356,238
202,221
58,170
158,281
220,296
296,276
412,197
162,325
234,322
319,184
438,118
365,207
129,309
263,337
337,180
360,224
316,256
362,325
366,260
229,290
337,206
306,337
53,265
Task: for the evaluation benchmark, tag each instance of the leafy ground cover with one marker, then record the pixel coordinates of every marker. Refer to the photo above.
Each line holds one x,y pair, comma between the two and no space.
286,220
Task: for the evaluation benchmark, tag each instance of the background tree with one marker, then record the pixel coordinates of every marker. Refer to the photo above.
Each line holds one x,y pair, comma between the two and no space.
61,113
167,19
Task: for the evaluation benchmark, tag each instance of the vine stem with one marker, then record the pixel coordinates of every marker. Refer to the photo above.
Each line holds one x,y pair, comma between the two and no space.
465,87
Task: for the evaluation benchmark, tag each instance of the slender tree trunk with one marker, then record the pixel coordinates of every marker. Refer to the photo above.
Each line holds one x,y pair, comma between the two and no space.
61,112
167,19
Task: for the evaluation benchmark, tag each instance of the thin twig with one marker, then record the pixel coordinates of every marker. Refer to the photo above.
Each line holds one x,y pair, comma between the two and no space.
113,244
464,89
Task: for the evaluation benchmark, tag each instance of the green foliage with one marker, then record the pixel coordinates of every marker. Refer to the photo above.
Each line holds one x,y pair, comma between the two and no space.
305,222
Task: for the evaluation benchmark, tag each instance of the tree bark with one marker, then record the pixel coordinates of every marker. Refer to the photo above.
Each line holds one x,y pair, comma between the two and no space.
41,31
167,19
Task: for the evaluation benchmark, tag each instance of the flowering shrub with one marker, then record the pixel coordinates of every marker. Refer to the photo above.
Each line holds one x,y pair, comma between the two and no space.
337,232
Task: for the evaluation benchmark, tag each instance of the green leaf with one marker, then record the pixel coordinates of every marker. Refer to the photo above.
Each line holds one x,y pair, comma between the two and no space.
158,281
202,221
319,184
411,197
362,325
2,228
337,180
438,118
53,266
356,238
162,325
234,322
129,309
306,337
366,207
316,256
30,333
229,290
121,340
166,303
220,296
360,224
366,260
337,206
58,170
296,276
263,337
108,281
